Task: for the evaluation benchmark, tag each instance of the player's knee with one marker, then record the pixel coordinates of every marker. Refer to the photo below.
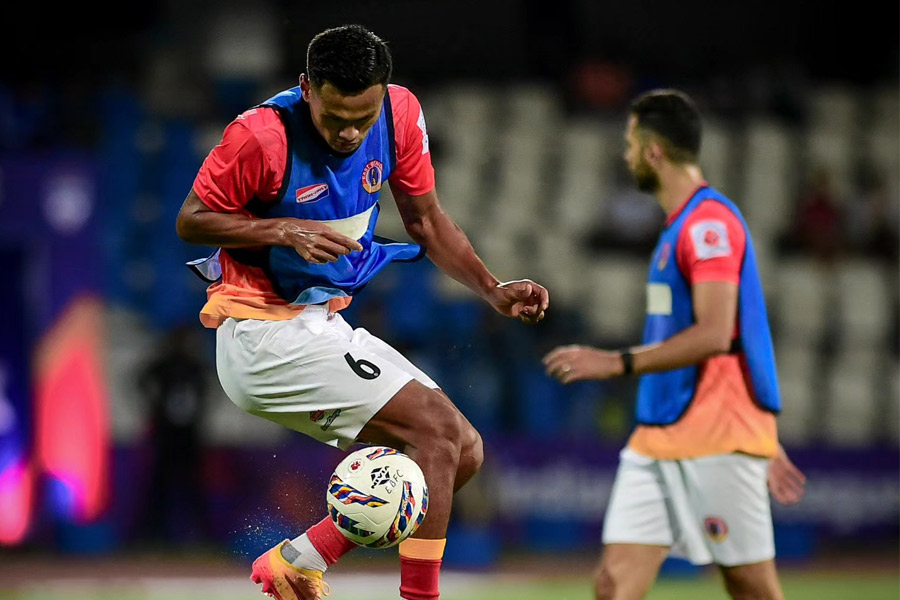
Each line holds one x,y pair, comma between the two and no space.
604,585
472,455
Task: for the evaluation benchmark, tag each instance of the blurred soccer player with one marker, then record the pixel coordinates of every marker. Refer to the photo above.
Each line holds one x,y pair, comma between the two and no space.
290,198
692,478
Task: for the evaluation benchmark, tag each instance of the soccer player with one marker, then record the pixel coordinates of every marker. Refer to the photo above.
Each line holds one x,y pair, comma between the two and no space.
692,479
289,197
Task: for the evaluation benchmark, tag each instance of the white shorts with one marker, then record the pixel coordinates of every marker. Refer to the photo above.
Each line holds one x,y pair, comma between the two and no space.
710,509
314,373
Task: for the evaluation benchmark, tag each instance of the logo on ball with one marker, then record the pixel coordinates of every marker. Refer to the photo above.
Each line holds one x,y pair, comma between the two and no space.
377,497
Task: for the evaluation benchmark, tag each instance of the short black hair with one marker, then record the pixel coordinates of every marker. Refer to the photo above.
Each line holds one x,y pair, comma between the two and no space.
673,116
349,57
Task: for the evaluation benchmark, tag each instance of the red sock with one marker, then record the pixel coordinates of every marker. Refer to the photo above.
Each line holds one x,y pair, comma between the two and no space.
420,568
328,541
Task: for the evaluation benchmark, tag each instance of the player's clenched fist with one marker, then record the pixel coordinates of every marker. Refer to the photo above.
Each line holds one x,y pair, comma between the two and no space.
522,299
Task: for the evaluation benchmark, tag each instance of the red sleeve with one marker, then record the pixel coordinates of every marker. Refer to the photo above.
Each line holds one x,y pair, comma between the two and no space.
248,163
413,173
711,244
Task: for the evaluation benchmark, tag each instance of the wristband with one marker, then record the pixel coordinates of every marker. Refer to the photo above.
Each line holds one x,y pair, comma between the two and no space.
627,361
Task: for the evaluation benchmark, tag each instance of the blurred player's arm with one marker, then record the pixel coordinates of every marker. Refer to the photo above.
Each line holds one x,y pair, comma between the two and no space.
715,308
786,482
449,248
315,242
715,313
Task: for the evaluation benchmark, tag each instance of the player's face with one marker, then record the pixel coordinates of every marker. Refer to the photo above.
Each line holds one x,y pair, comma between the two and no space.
643,173
342,120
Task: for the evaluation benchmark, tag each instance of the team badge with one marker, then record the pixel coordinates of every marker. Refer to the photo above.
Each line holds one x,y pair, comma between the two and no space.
715,528
312,193
371,176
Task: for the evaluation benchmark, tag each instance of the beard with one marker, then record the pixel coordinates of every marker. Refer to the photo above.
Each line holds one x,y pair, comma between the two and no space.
645,178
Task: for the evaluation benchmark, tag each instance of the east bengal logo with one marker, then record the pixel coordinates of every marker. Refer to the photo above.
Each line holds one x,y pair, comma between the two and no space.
715,528
371,176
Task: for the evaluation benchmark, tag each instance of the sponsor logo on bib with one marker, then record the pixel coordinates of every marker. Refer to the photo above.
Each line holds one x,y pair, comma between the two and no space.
311,193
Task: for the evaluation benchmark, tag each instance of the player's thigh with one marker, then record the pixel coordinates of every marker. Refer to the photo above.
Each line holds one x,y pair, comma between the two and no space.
626,571
419,416
729,496
758,581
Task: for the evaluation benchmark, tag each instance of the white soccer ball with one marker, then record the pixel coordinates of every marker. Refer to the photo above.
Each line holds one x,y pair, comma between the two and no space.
377,497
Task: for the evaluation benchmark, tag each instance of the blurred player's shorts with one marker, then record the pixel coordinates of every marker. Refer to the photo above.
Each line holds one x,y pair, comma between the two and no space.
713,509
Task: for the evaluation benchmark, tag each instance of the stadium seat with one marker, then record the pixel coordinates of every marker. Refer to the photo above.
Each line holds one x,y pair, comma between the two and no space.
587,150
560,265
522,193
832,150
880,149
797,368
501,249
879,145
716,155
765,194
801,299
852,390
614,296
532,105
892,403
864,304
835,108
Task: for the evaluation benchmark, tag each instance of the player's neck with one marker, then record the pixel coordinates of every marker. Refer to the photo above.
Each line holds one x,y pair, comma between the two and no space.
677,184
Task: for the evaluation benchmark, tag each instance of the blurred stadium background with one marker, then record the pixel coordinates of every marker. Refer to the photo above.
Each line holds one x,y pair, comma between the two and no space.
106,374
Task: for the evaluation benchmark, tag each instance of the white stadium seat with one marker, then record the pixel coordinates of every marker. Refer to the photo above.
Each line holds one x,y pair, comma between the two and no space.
615,295
864,303
801,298
852,385
797,369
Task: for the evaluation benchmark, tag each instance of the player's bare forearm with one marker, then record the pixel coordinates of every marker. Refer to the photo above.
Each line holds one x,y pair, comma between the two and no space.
688,347
198,224
314,241
579,363
447,245
715,311
715,306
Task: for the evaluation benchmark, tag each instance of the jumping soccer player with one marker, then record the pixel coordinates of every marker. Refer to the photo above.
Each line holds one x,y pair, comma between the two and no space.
290,198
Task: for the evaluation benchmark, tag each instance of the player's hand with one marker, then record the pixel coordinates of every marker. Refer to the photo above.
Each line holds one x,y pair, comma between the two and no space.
578,363
316,242
785,480
522,299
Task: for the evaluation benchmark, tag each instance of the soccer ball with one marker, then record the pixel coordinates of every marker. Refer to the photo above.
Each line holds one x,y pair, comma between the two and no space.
377,497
